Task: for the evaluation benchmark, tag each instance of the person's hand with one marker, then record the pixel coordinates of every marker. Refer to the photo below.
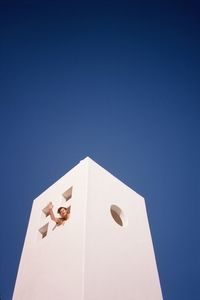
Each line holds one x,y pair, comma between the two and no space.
50,205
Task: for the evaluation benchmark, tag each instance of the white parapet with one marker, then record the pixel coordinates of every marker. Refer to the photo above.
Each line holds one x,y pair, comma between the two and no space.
103,251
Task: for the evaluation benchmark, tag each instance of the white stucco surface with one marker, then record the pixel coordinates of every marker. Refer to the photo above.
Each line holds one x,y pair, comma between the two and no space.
90,257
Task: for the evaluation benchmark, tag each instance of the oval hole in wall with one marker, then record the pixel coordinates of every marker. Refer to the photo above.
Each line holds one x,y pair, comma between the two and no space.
117,215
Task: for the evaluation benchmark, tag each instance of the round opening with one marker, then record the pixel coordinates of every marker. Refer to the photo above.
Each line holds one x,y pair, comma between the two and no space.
117,215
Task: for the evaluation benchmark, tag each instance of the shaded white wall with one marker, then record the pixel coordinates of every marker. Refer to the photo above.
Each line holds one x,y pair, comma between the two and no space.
119,261
91,257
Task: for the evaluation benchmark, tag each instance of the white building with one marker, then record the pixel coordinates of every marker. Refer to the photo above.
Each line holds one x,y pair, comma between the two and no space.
103,252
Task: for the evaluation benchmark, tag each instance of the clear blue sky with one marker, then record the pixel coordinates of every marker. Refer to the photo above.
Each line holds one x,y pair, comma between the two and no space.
117,81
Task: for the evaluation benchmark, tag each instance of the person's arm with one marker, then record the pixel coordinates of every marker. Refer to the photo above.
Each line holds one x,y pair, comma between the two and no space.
52,216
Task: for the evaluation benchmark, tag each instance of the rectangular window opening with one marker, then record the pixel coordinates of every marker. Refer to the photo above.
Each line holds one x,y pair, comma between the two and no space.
69,209
68,194
45,210
43,231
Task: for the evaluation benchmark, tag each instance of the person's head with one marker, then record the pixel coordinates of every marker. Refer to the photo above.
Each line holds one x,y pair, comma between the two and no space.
62,211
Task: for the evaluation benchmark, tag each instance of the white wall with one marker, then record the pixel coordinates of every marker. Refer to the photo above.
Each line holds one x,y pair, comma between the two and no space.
120,262
52,268
91,257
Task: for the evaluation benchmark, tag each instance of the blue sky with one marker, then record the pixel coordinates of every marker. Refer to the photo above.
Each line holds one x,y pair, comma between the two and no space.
117,81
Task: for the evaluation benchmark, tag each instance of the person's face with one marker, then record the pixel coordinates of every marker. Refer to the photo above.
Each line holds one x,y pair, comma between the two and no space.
63,212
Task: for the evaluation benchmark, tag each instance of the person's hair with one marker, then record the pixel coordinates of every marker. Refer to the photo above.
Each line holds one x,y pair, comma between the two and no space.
58,211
